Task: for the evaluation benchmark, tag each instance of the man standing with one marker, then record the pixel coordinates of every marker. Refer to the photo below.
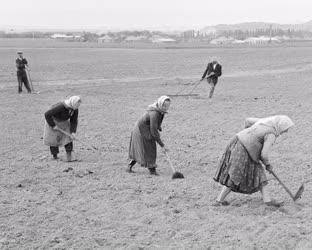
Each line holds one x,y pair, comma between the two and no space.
21,64
213,71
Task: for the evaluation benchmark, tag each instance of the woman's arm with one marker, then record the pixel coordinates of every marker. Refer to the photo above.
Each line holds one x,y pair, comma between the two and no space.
219,71
74,122
154,126
250,121
52,112
205,73
267,146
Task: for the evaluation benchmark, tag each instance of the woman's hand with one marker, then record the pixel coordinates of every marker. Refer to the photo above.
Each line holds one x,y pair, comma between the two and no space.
268,167
267,148
73,136
165,150
250,121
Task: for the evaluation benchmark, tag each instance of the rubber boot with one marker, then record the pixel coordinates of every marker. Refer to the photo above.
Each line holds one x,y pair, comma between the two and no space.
153,171
130,166
68,156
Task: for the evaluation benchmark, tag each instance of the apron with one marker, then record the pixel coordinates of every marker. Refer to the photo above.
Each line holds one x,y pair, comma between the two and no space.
56,138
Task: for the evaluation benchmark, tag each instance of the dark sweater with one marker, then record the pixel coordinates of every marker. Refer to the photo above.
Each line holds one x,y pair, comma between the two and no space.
217,71
61,113
20,64
149,125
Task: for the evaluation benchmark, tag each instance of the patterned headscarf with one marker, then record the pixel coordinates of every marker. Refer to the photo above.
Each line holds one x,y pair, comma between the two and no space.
159,103
279,123
73,102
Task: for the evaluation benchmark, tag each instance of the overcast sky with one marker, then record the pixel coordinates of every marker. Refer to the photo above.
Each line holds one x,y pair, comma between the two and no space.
150,13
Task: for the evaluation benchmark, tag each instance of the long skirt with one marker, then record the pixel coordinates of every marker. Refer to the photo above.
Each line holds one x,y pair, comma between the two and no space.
238,171
142,149
56,138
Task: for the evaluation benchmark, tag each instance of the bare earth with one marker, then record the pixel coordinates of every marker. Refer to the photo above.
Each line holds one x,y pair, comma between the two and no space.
97,205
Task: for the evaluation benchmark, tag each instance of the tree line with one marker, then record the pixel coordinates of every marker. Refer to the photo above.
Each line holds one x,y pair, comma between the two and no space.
182,36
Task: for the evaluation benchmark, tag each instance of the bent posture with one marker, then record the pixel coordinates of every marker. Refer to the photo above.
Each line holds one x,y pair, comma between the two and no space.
240,169
63,115
145,134
21,64
212,72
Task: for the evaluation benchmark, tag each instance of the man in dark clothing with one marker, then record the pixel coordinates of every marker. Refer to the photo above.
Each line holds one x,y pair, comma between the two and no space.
212,72
21,64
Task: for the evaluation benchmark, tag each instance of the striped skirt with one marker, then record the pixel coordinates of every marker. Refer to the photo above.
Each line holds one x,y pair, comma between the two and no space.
238,171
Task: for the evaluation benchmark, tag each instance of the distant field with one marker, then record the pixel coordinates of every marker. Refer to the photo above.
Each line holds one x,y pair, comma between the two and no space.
64,64
55,43
44,207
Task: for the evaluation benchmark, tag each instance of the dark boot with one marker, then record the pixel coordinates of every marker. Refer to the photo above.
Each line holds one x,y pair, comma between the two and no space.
68,149
130,166
153,171
54,151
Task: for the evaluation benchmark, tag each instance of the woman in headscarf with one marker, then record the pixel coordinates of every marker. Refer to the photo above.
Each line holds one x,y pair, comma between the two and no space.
63,115
241,166
145,134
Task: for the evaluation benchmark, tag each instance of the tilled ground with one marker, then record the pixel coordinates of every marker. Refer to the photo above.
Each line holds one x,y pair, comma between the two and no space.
95,204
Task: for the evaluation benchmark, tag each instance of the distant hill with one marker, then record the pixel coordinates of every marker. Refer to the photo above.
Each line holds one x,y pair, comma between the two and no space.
246,26
308,25
249,26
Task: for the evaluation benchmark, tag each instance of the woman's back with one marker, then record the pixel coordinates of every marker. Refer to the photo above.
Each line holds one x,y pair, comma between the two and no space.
253,138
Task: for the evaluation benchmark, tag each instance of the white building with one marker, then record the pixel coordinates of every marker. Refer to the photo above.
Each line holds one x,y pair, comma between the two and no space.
61,36
238,41
222,40
135,38
261,40
105,39
159,39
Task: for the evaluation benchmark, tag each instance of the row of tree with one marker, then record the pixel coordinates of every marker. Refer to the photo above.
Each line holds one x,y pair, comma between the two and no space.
183,36
86,36
240,34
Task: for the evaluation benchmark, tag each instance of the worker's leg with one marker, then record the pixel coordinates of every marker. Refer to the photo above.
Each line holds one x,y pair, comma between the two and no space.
69,149
265,194
130,165
223,194
212,87
54,151
26,82
19,81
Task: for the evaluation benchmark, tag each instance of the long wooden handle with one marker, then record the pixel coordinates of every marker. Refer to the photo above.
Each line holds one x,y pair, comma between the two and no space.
75,138
196,85
170,163
283,185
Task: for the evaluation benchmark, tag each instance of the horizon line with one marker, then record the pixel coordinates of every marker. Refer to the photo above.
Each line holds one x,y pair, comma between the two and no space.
134,27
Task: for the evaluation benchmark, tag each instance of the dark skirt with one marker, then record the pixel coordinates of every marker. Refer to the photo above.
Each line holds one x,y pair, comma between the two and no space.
238,171
142,149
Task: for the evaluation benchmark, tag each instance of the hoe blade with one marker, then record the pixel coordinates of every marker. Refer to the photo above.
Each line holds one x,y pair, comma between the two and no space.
299,193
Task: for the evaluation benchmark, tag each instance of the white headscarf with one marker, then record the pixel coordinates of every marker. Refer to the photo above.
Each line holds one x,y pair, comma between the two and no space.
279,123
158,105
73,102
